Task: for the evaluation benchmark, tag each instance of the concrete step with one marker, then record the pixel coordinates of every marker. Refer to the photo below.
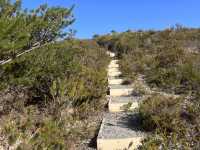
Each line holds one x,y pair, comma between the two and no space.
113,66
118,104
114,61
115,81
111,54
114,74
113,69
120,90
119,131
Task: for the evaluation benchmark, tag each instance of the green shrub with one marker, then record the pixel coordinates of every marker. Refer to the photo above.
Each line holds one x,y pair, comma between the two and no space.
169,61
172,125
160,112
68,78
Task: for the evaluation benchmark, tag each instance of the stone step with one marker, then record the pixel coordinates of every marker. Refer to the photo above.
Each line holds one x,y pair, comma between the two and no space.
115,81
119,131
118,104
113,69
114,74
113,66
111,54
114,61
120,90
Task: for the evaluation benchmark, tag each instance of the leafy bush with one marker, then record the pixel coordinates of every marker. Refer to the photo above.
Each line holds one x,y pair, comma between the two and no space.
174,125
49,95
63,78
160,112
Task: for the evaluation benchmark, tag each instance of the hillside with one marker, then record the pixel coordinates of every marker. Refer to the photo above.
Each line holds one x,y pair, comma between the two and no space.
49,97
129,90
164,67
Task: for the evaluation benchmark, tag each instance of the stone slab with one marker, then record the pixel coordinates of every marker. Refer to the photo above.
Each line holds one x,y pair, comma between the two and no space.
111,54
114,61
113,66
116,104
119,131
114,74
113,69
120,90
115,81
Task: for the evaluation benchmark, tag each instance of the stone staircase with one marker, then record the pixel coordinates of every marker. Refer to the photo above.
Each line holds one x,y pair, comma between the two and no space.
119,129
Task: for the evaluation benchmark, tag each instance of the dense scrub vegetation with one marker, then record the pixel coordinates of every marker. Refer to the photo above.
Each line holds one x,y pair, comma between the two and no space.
44,93
170,62
49,97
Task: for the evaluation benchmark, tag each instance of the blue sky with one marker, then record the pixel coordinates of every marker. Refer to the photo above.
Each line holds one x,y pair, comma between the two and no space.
102,16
